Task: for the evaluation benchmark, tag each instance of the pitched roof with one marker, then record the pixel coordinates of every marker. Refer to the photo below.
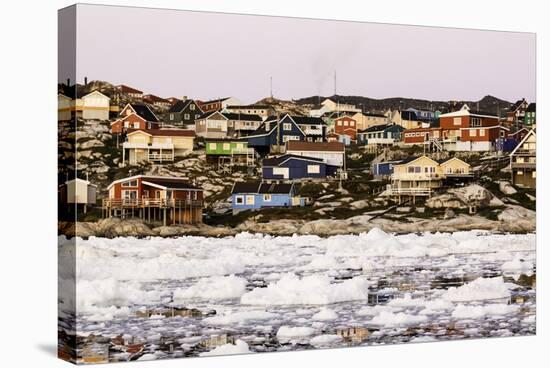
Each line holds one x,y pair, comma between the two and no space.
245,187
376,128
413,158
272,188
315,146
144,111
165,132
169,183
237,116
215,100
532,107
276,161
261,188
179,106
307,120
172,181
517,104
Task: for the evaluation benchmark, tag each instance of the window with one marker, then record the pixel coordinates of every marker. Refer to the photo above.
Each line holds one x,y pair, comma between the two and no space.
136,125
287,138
195,195
186,116
475,122
346,123
473,132
287,126
126,124
192,107
171,116
249,199
534,174
313,169
267,197
282,171
457,121
226,146
482,132
239,199
212,146
240,146
131,183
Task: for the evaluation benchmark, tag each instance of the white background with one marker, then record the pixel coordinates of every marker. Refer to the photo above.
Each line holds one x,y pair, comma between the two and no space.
28,251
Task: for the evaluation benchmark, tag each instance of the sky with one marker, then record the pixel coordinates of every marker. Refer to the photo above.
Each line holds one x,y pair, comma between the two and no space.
210,55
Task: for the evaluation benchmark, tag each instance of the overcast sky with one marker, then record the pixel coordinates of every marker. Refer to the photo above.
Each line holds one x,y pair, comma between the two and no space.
208,55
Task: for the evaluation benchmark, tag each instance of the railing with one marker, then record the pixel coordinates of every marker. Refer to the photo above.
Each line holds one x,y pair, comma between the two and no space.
525,152
148,145
410,191
161,157
417,176
459,174
151,202
524,165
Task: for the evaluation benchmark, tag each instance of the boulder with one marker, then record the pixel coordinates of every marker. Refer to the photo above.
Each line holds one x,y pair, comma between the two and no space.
449,214
506,187
91,144
461,198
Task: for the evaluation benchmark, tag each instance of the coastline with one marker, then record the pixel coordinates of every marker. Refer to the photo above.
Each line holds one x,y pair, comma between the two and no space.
511,220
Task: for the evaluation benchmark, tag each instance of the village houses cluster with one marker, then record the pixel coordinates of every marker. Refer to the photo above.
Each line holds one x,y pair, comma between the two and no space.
289,149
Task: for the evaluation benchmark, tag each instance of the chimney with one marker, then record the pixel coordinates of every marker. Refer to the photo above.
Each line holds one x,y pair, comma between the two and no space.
68,82
85,81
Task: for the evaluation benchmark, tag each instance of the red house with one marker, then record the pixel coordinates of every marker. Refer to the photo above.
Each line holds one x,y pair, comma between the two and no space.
452,123
132,92
346,125
481,138
421,135
132,121
171,200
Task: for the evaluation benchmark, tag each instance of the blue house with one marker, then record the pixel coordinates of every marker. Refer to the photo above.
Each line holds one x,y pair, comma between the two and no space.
423,115
294,167
383,170
257,195
384,134
274,133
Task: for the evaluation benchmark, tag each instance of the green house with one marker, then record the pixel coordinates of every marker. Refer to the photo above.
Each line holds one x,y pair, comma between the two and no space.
530,115
224,147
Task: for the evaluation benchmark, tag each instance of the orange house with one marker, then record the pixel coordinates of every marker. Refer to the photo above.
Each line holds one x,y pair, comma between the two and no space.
346,125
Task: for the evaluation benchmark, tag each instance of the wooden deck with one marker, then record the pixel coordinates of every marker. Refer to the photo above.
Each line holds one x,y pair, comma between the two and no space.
167,211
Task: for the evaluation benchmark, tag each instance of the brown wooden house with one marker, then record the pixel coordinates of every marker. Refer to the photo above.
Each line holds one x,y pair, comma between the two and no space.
169,200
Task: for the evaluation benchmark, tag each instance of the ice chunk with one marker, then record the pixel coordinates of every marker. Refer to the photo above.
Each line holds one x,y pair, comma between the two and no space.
315,289
479,289
240,347
215,287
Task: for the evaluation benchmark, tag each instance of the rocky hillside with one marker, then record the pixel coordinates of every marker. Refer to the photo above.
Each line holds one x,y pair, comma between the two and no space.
487,103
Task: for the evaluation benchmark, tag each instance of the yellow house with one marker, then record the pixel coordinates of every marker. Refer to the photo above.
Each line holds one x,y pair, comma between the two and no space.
157,145
523,161
420,176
